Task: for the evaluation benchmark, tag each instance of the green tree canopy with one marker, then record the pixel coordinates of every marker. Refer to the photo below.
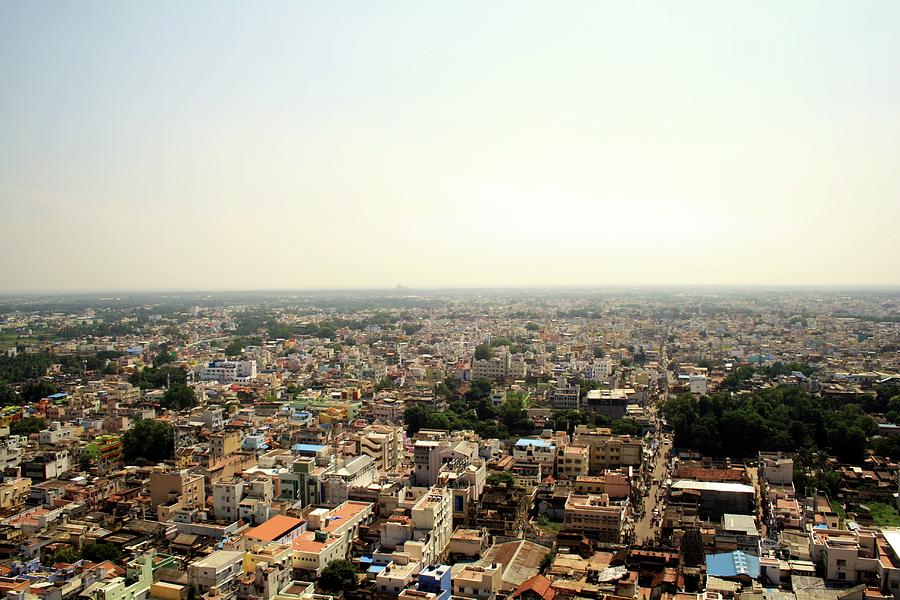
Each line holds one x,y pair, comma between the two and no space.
626,427
179,397
338,575
150,440
27,426
501,478
33,391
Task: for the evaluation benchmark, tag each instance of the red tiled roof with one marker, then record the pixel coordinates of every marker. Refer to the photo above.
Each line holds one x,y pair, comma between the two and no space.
537,584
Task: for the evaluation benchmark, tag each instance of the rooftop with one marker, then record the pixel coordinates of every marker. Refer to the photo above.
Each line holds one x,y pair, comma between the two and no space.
275,528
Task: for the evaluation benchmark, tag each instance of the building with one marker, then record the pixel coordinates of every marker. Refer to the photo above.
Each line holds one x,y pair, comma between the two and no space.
280,529
427,462
47,465
384,444
565,395
135,586
595,516
328,535
229,371
608,451
717,498
171,491
14,493
56,433
573,461
776,468
697,384
741,531
339,478
227,497
541,450
495,368
611,403
216,572
425,533
477,582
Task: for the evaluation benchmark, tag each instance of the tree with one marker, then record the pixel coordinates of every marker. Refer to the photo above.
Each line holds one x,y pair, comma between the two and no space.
66,554
547,561
386,383
164,357
626,427
100,551
179,397
598,351
479,390
157,377
483,352
8,396
415,418
153,441
337,575
27,426
501,478
34,391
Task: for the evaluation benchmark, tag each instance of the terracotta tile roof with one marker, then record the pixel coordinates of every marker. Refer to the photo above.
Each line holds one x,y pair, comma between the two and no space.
537,584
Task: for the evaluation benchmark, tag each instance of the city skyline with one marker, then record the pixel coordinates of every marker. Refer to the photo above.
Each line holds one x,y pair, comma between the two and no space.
205,146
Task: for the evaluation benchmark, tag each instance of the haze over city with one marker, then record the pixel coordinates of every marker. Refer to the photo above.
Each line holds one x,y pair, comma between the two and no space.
173,145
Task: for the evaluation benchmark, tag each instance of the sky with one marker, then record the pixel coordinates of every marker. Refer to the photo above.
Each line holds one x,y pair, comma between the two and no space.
242,145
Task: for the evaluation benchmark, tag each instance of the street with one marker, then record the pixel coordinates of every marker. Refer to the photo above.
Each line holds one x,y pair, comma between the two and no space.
645,527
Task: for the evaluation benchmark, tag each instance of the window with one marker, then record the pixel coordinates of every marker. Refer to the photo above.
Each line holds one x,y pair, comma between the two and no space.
841,562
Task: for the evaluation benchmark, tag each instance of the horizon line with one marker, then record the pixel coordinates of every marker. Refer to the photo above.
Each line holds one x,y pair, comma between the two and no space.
402,288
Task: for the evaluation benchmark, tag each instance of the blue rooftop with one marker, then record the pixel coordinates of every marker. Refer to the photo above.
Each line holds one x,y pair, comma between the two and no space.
58,396
732,564
531,442
308,448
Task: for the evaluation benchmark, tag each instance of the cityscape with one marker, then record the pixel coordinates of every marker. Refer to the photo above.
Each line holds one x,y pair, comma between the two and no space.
632,443
471,300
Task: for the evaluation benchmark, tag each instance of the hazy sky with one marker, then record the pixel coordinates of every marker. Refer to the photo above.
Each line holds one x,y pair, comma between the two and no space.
366,144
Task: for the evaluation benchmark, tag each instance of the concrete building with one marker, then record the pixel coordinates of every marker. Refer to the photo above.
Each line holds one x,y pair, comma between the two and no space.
477,581
384,444
565,395
595,515
14,493
171,491
608,451
776,468
216,572
280,529
229,371
328,535
741,531
227,497
541,450
425,533
339,478
573,461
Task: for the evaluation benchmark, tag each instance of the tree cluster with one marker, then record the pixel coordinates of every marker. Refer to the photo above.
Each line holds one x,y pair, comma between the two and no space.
785,418
149,440
151,378
473,410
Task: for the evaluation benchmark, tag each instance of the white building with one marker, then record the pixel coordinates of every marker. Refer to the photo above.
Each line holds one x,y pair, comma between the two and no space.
565,395
226,499
698,384
229,371
216,572
384,444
